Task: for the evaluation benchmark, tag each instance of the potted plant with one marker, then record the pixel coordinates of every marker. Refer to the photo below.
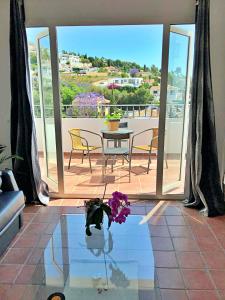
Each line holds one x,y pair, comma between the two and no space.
5,157
113,120
117,209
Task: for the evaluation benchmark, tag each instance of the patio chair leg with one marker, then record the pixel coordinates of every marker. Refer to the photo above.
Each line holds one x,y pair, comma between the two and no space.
89,157
112,164
129,167
82,159
149,161
103,168
70,158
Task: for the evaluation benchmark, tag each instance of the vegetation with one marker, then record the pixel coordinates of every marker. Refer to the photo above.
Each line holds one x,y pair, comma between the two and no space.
5,157
72,84
116,115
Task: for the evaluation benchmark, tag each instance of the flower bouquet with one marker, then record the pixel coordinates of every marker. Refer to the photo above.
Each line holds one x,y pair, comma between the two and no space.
117,209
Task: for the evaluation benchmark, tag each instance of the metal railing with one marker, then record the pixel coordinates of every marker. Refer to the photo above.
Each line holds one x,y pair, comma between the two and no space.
100,111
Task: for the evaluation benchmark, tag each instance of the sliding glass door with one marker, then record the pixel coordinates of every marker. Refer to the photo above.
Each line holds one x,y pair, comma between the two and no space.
49,162
76,83
177,109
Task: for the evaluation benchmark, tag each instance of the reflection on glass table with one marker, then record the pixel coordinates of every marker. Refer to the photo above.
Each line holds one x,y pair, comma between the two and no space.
111,264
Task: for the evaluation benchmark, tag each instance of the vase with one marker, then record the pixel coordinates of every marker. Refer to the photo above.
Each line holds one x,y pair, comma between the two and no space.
113,125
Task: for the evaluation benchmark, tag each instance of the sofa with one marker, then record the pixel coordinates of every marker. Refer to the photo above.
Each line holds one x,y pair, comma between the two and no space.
12,203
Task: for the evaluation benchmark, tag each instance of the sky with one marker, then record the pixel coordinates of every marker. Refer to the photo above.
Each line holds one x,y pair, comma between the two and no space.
136,43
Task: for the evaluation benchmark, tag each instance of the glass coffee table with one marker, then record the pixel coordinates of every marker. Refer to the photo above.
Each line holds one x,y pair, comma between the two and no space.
111,264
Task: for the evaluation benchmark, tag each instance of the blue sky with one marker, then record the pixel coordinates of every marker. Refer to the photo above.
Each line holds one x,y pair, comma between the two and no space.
137,43
141,43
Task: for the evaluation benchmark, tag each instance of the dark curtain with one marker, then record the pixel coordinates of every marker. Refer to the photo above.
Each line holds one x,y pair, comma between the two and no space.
203,187
23,135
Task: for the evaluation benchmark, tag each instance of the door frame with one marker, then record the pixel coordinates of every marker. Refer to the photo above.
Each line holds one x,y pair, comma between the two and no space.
58,123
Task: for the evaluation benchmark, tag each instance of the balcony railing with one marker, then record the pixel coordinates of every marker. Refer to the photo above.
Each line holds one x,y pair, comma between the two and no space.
100,111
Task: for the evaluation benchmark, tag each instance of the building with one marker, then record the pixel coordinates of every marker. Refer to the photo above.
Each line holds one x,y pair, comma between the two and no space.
174,94
131,81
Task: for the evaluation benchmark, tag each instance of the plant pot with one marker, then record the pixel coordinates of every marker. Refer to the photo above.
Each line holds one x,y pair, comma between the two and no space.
113,125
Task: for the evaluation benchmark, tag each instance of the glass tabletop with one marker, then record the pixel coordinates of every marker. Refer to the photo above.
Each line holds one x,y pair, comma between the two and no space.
111,264
119,131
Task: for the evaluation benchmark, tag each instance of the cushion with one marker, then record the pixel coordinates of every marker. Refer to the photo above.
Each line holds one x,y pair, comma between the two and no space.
10,204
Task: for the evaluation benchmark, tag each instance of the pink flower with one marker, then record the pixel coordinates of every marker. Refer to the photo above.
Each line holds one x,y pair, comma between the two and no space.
119,207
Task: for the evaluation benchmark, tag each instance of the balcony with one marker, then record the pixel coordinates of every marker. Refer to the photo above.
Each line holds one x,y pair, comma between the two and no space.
80,181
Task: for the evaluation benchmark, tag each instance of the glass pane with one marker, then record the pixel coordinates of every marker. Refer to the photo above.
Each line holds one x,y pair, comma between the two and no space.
48,108
177,109
41,80
102,68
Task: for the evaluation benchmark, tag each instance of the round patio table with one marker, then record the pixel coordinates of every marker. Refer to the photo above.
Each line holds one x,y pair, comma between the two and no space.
117,135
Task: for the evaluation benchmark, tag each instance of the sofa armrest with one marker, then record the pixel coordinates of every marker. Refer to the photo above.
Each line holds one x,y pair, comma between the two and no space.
8,181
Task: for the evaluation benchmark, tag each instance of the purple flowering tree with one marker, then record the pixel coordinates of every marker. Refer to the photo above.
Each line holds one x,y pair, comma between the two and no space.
87,103
134,72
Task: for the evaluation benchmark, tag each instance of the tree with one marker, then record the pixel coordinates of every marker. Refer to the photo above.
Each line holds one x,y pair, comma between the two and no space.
124,75
33,58
134,72
68,92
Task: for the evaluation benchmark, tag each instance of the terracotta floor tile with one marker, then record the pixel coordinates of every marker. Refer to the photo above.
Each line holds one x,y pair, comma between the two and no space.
195,220
172,211
208,244
157,220
45,218
190,260
8,273
161,231
165,259
222,294
26,275
170,278
173,294
180,231
218,278
203,295
202,231
184,244
17,256
162,243
222,242
197,279
36,256
175,220
214,259
180,235
28,217
3,291
44,239
27,241
138,210
31,209
16,292
36,228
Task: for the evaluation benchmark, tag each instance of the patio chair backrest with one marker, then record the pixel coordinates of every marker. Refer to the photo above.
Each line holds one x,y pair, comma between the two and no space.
123,125
155,133
75,138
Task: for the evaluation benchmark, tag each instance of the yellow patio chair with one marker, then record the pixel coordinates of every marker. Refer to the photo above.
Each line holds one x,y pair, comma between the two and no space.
153,146
80,143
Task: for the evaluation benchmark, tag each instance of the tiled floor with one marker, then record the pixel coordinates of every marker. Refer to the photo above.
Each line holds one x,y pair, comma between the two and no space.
189,250
79,180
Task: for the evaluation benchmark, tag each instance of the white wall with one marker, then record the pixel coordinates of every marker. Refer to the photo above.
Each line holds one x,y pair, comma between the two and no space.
218,74
4,74
87,12
173,137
